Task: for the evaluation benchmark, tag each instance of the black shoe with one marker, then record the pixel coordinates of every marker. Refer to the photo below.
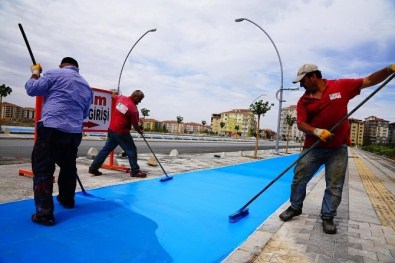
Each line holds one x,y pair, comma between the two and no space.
289,214
138,173
329,227
45,220
66,204
95,172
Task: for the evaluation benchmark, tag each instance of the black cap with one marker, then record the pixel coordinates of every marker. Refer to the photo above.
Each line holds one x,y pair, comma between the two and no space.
70,61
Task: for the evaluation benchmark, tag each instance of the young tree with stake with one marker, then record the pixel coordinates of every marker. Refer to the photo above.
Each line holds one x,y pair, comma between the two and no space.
290,121
259,108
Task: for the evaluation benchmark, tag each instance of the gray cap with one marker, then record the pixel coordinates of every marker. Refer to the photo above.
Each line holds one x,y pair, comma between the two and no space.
303,70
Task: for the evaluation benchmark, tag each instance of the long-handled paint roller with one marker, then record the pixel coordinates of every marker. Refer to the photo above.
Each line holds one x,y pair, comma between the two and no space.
27,44
167,177
34,63
243,211
82,187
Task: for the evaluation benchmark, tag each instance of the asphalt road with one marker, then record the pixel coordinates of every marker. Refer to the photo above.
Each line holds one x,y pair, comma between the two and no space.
22,148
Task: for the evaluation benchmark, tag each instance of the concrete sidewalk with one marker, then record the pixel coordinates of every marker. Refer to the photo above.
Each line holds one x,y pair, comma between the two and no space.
366,219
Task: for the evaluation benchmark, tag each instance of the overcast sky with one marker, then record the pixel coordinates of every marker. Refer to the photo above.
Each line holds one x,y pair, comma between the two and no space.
200,61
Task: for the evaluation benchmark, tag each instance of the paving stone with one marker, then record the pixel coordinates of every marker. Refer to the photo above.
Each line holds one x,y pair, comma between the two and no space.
321,251
390,241
362,253
340,256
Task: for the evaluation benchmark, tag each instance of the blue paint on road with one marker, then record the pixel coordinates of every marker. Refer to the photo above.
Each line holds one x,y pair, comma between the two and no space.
182,220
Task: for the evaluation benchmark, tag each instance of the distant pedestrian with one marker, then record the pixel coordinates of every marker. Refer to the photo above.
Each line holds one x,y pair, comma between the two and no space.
67,99
123,118
323,105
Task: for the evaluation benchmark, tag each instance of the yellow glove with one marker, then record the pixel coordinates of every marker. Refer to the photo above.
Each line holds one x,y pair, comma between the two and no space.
391,68
323,134
36,69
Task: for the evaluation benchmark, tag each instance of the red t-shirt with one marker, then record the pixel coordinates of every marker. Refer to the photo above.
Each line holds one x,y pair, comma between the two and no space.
123,115
324,113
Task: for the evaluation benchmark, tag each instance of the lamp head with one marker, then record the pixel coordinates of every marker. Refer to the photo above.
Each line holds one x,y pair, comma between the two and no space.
152,30
239,19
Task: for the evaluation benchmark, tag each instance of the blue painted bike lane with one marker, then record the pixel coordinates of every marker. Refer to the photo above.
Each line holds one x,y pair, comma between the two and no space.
181,220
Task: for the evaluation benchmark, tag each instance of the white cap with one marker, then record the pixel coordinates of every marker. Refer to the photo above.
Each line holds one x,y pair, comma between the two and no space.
303,70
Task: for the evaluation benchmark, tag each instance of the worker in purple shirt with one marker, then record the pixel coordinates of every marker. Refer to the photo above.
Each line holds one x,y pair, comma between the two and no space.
67,99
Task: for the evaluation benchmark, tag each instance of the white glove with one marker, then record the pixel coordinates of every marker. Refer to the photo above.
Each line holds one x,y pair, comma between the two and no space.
323,134
36,69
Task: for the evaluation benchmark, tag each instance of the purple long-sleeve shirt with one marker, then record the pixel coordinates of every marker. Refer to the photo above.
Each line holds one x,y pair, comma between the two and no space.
67,98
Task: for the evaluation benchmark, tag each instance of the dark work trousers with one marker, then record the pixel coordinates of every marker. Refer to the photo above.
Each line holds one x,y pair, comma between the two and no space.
113,140
54,147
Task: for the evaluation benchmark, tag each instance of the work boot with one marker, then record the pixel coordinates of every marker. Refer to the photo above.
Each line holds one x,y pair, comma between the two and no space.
329,226
95,172
289,214
45,220
138,173
65,204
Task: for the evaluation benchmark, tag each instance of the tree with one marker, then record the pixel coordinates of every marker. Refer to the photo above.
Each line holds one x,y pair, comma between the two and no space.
290,120
259,108
145,113
4,92
203,123
237,128
179,120
222,124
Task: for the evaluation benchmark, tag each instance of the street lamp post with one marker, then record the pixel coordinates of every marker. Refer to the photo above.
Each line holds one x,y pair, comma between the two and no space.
281,86
281,100
120,74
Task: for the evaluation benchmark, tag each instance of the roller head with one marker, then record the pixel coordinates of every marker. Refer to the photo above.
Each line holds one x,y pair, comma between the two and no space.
167,178
238,215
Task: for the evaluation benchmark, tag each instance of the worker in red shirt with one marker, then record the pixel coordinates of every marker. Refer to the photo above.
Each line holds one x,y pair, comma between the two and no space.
323,105
124,116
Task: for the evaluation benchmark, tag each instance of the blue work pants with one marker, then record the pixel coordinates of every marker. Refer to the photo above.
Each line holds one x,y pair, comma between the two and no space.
125,141
335,162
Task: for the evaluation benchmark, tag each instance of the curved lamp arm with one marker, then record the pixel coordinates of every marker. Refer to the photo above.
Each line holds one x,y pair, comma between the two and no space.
284,89
120,74
281,69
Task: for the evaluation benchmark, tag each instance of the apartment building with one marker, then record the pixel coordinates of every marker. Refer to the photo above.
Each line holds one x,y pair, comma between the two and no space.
357,129
152,124
376,130
216,123
243,119
268,134
174,126
193,127
29,113
295,134
13,112
391,135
